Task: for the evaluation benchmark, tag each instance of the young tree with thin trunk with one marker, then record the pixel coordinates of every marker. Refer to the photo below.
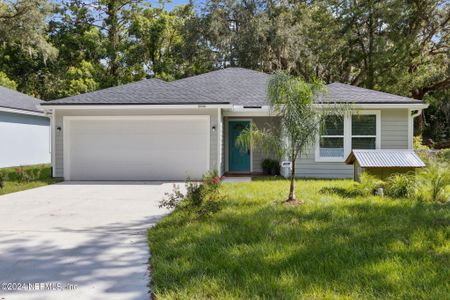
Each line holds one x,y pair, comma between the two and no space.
302,107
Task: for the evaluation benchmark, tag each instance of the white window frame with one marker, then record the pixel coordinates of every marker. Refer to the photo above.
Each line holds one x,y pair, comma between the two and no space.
348,136
377,124
319,136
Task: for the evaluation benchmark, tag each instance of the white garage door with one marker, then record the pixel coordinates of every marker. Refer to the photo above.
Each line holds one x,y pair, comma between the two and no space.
136,147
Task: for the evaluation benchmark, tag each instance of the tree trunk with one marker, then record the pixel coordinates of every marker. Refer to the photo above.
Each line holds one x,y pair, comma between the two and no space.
292,197
370,53
292,187
112,21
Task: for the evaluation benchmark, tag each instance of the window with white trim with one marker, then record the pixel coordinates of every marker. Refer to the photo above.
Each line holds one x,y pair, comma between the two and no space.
339,135
331,144
364,131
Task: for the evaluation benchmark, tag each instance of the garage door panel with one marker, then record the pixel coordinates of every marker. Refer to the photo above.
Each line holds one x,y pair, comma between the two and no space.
150,149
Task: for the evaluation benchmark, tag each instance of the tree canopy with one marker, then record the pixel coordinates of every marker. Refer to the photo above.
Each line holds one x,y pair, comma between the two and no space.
52,49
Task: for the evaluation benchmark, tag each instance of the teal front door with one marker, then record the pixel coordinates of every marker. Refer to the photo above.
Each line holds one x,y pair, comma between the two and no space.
238,159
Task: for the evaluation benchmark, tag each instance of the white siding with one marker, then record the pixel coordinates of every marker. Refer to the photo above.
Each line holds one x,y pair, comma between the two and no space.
59,165
25,140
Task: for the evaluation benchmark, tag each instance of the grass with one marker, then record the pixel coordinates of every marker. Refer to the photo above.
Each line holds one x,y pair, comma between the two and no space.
335,246
13,184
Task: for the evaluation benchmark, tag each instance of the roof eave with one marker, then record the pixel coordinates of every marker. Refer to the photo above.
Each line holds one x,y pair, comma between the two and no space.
47,106
357,105
23,111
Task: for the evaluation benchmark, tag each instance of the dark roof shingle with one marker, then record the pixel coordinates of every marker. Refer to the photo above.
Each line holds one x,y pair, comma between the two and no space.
346,93
235,86
147,91
16,100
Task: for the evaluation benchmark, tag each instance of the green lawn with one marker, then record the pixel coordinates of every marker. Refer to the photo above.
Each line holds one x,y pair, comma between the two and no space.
13,184
330,247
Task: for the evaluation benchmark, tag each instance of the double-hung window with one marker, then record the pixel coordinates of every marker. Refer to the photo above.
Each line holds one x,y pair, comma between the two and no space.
331,143
338,135
364,131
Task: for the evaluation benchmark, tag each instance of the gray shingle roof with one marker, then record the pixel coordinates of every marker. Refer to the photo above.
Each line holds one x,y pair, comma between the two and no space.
385,158
147,91
235,86
15,100
345,93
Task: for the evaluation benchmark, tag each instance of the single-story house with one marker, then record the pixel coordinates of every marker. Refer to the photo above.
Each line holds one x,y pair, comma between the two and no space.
157,130
24,130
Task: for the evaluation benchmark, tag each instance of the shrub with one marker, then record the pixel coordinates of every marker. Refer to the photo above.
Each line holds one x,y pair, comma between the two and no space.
418,144
202,197
266,166
20,174
400,186
369,184
172,200
271,167
275,168
433,182
445,155
23,175
3,178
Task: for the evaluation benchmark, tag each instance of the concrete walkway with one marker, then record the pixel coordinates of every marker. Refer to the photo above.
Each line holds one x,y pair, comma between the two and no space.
87,237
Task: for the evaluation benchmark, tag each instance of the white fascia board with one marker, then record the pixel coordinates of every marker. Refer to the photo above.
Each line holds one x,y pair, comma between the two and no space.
239,110
23,112
379,106
139,106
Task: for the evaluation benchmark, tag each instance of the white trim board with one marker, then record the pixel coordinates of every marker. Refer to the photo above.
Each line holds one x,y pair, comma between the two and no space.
137,106
219,132
52,144
23,112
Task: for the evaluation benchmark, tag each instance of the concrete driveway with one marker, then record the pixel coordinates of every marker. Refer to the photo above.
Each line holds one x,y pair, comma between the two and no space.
89,238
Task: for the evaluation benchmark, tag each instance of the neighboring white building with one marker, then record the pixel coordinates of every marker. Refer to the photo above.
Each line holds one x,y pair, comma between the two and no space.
24,130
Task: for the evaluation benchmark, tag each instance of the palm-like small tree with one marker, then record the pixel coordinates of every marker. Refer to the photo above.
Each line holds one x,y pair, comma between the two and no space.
301,112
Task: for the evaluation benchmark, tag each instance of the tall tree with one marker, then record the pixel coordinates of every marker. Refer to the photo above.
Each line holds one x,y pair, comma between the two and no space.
23,40
22,25
161,46
116,16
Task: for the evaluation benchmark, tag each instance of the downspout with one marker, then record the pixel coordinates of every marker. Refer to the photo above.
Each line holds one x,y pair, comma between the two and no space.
411,127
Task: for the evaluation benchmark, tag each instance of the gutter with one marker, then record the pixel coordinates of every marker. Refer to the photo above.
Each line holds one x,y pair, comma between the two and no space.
23,111
48,106
412,106
411,125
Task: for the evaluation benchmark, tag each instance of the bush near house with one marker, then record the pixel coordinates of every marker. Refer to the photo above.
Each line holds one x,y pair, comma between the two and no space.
333,246
431,183
202,197
24,177
270,167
